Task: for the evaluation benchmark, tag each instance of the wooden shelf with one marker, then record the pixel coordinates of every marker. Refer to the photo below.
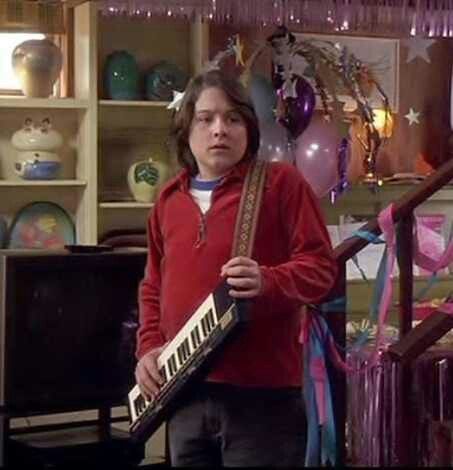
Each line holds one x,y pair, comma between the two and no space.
126,205
52,103
134,104
12,183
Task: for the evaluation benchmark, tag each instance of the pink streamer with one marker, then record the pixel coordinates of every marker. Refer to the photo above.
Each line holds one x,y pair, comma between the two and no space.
318,373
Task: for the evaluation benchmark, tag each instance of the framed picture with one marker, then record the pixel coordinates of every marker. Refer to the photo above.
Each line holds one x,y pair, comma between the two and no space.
379,54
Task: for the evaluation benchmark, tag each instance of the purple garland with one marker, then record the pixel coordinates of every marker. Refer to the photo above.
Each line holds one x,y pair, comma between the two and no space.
342,166
389,17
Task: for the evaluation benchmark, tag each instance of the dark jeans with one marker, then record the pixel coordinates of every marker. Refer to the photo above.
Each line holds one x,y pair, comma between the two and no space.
222,425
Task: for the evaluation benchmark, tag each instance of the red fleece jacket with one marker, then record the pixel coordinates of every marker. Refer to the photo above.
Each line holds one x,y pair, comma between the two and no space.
187,250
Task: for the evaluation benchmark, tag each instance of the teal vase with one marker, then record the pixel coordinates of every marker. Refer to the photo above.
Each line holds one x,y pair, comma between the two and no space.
121,76
162,79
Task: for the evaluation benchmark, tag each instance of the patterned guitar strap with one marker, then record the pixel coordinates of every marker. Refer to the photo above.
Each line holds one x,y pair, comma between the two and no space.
249,208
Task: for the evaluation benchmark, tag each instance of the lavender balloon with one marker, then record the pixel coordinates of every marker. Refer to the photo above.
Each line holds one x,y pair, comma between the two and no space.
317,155
297,112
274,143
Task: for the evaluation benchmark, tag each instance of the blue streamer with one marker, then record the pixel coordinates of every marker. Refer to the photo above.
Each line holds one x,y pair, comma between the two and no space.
323,437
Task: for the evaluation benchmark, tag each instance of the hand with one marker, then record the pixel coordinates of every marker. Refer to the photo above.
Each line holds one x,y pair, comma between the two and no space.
147,374
244,275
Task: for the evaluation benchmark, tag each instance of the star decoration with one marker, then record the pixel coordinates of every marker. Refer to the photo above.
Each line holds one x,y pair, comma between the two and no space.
239,51
289,88
413,117
418,47
177,100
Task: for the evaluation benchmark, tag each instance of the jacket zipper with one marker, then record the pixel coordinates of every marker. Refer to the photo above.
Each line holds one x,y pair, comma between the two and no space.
202,229
201,238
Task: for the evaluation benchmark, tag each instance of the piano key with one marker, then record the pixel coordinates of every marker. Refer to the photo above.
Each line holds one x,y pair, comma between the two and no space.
211,318
198,335
203,327
180,354
193,339
187,348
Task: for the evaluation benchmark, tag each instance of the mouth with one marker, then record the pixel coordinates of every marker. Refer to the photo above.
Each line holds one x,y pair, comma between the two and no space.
219,147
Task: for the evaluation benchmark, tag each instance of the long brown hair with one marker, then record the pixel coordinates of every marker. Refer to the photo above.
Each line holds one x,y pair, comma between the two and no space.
182,122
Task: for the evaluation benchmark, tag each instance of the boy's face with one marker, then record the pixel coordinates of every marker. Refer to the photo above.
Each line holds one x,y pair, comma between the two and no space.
218,134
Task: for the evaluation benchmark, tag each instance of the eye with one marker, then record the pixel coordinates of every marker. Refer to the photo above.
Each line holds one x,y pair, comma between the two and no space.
203,118
235,118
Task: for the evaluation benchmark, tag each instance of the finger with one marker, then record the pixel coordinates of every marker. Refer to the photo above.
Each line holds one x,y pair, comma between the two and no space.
243,294
239,261
243,282
152,370
241,271
147,386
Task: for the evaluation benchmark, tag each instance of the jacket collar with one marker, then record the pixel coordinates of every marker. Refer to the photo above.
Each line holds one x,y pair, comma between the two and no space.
238,172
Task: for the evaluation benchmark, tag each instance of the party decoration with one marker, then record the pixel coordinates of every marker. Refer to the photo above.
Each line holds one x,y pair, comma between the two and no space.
274,144
239,51
401,18
332,68
418,48
264,97
295,112
210,65
413,117
317,155
177,100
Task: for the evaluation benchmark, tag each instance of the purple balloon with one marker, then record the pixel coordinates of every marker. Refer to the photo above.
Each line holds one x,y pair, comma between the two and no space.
317,155
299,110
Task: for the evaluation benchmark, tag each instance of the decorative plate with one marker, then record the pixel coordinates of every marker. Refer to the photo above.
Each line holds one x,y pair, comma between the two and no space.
41,225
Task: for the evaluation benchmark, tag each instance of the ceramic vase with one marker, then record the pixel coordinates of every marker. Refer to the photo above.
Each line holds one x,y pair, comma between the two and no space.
36,156
162,80
144,179
37,63
121,76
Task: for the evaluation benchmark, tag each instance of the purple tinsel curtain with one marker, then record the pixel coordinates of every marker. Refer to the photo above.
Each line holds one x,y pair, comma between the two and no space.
433,18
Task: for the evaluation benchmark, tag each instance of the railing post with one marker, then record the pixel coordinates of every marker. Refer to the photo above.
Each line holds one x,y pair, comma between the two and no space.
405,238
337,325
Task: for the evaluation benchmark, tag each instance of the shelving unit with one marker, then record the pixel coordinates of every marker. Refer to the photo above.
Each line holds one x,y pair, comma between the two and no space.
56,103
102,137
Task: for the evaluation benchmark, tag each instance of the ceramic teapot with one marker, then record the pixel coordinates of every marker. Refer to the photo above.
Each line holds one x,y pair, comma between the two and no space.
145,178
36,145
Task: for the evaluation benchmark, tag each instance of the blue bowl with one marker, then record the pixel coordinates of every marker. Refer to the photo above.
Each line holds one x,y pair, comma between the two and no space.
38,170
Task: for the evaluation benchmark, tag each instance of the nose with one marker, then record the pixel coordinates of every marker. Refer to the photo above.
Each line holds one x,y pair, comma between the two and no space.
219,127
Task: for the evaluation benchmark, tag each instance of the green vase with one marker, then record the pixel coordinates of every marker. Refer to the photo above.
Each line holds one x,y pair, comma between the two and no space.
121,76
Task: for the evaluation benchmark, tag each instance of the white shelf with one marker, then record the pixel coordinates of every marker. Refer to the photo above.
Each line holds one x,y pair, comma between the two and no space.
12,183
126,205
136,104
53,103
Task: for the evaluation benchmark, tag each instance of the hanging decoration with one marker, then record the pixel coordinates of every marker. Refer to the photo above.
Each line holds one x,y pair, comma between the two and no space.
412,117
332,68
387,17
320,150
418,48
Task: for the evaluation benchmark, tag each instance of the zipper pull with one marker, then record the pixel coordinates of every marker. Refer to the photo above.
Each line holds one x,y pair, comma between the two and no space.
201,231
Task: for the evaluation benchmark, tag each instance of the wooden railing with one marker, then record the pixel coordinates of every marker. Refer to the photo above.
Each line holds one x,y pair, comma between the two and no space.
411,343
